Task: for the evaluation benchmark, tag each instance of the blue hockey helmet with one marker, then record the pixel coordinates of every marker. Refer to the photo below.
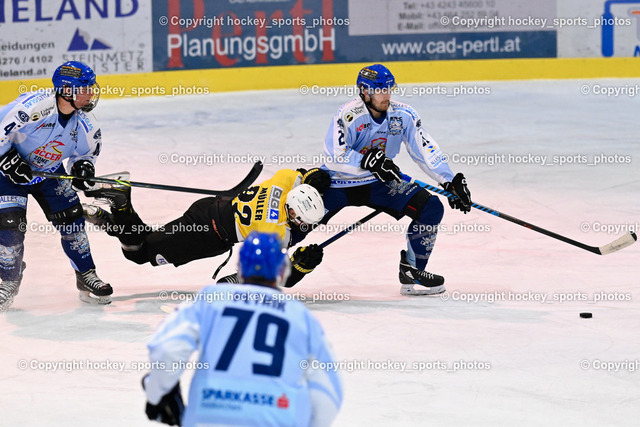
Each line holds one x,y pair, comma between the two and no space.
73,74
263,257
76,76
376,76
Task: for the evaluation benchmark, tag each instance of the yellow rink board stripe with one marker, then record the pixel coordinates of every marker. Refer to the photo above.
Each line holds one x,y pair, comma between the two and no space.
186,82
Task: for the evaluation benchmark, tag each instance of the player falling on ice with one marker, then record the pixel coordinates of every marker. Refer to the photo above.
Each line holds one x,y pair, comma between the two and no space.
38,131
364,136
289,203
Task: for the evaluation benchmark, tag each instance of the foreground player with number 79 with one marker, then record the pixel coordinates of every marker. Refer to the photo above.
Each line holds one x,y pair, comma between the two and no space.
264,359
364,136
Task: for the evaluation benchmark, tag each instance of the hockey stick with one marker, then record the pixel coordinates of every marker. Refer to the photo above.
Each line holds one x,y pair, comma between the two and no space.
357,223
349,229
246,182
620,243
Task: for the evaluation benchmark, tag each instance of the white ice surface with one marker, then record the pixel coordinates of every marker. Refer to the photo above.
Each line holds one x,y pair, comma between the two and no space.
533,351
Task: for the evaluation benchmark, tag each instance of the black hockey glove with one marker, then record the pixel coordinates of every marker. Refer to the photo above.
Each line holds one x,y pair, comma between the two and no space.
458,187
169,410
317,178
303,261
15,168
83,169
380,166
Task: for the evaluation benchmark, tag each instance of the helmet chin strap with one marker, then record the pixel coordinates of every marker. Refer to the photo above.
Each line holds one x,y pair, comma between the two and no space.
371,107
73,104
369,104
70,100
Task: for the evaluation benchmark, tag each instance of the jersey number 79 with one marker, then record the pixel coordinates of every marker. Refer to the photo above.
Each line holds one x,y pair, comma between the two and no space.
264,322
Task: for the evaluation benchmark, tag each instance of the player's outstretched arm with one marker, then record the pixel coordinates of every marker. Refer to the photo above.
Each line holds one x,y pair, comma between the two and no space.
15,168
169,351
317,178
458,187
381,166
85,170
303,261
170,408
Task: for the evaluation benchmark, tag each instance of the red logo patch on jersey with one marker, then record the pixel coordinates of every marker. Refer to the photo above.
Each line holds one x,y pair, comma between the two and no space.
283,401
46,154
362,127
380,143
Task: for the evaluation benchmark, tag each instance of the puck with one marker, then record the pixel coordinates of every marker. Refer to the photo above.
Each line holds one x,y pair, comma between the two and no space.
586,315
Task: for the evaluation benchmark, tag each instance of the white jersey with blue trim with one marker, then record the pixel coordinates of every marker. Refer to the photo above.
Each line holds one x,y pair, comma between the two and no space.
353,132
254,345
31,124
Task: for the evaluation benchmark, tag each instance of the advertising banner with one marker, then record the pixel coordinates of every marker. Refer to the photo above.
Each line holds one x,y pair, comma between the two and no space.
111,36
196,34
239,33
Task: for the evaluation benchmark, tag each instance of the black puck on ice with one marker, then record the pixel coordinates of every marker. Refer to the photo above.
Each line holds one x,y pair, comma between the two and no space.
586,315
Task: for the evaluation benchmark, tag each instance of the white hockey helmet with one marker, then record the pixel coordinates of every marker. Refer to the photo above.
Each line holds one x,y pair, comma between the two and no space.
307,205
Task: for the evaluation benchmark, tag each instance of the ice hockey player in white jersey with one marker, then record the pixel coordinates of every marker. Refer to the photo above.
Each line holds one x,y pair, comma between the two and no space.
364,136
37,132
263,358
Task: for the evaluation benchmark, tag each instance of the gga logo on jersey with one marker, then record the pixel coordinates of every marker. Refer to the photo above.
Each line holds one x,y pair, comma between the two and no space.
274,204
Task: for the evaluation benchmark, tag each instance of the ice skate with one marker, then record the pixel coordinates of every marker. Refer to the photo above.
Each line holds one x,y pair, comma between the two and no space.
97,216
418,282
9,290
118,196
92,289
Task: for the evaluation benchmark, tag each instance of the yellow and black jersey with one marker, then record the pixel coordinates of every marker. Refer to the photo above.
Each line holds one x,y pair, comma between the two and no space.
262,207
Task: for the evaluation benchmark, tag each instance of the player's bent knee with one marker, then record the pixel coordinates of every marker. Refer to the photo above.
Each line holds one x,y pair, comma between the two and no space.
424,208
137,256
151,250
68,216
13,219
433,211
13,226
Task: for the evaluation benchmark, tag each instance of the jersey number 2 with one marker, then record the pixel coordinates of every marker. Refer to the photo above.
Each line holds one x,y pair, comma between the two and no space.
275,349
246,196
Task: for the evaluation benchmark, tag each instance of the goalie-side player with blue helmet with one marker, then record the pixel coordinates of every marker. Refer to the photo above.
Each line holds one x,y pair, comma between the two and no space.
263,358
365,135
37,132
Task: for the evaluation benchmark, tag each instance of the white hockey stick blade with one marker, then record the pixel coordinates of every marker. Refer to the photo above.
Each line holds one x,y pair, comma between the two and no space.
620,243
121,176
124,175
167,309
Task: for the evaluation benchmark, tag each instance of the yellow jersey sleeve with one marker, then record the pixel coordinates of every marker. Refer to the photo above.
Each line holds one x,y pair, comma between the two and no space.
261,207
